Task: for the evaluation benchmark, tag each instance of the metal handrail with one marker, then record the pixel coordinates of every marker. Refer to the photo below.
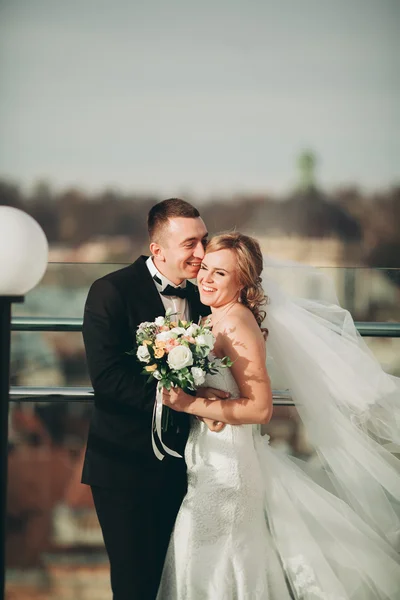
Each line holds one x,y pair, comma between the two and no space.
46,324
365,328
86,394
378,329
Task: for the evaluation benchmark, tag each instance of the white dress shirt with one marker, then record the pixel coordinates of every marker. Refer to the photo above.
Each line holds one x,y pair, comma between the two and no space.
179,306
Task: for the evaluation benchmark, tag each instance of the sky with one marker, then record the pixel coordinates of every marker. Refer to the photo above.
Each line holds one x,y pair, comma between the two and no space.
180,97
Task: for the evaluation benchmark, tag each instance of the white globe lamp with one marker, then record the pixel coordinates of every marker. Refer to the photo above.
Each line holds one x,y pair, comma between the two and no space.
23,262
23,252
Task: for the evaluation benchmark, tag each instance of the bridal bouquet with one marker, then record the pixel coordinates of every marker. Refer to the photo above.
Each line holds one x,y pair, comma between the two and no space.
176,354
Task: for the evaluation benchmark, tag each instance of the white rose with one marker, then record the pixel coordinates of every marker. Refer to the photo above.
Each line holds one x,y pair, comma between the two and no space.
199,375
157,374
180,357
163,336
192,329
206,339
143,354
159,321
178,330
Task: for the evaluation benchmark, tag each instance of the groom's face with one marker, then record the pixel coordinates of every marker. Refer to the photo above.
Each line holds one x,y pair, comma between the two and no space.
180,248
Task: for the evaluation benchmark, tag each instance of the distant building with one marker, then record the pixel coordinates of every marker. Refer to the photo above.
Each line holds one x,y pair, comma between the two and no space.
306,213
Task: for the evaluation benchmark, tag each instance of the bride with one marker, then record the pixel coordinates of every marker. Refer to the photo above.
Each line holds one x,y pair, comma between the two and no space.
258,525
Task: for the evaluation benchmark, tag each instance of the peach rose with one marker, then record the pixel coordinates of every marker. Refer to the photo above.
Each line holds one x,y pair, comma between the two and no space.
172,343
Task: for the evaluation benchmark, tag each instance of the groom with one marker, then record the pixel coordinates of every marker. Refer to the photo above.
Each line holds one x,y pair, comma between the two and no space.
136,496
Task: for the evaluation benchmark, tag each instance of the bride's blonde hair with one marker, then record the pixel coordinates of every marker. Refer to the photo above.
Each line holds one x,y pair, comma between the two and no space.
249,268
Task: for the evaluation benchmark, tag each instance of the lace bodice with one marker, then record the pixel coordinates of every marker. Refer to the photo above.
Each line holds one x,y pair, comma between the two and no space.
222,380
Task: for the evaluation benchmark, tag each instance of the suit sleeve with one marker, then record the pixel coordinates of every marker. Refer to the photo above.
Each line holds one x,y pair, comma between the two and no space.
116,377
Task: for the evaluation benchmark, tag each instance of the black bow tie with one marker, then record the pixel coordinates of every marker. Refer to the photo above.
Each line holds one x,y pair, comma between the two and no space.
175,291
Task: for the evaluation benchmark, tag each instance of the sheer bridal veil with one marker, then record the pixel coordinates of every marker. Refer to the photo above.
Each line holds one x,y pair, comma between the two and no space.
336,521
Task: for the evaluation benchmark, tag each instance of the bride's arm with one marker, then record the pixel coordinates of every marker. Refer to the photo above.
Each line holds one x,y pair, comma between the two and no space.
213,394
244,343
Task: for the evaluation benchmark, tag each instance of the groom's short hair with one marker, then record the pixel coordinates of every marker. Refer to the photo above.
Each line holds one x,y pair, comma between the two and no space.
171,208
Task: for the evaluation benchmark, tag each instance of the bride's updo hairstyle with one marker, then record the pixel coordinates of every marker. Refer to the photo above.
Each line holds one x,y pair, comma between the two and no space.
249,262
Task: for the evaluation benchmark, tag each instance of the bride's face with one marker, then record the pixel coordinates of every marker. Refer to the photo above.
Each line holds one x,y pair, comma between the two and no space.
217,278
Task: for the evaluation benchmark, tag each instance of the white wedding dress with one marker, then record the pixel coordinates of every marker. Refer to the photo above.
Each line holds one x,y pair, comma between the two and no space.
221,548
253,526
259,525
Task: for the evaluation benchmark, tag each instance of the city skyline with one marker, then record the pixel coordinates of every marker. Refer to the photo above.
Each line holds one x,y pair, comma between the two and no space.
189,99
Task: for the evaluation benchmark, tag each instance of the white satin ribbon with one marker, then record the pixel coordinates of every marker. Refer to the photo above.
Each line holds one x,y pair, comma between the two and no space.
157,413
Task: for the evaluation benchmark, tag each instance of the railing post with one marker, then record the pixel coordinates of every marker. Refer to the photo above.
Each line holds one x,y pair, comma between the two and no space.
5,333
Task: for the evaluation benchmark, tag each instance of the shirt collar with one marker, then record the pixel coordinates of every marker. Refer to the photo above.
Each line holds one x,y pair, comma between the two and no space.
164,281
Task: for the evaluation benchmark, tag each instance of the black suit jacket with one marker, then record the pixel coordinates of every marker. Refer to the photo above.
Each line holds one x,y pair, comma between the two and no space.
119,452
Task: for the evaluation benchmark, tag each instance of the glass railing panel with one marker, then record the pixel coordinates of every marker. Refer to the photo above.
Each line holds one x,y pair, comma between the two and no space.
387,352
371,294
58,358
55,359
63,290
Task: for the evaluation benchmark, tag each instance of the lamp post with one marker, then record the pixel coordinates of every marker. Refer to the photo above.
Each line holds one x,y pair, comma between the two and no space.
23,262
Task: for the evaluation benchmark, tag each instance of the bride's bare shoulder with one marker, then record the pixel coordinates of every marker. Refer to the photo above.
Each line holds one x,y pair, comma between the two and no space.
241,316
241,325
242,337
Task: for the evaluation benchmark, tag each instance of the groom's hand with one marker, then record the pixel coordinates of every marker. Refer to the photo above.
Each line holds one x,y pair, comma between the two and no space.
212,425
